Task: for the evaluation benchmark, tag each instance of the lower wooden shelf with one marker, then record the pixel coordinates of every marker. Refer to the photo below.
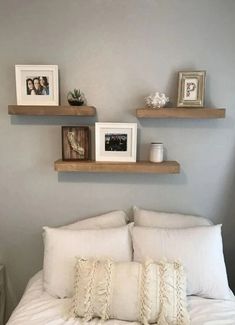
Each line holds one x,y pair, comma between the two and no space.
166,167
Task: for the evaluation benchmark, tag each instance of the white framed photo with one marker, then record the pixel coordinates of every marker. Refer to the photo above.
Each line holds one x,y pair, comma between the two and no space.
37,84
191,89
115,142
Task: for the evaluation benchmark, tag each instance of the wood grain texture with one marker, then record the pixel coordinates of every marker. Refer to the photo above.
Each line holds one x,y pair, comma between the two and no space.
190,113
52,110
166,167
81,137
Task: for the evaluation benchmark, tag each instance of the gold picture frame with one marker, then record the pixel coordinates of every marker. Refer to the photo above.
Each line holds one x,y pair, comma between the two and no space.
191,89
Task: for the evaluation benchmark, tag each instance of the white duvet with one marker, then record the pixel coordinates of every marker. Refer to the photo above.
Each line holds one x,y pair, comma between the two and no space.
39,308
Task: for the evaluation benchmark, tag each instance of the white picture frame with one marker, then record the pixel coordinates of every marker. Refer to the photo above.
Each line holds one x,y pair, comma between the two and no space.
37,85
115,142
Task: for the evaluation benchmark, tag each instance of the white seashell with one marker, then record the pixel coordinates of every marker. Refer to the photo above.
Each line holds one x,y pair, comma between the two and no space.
156,100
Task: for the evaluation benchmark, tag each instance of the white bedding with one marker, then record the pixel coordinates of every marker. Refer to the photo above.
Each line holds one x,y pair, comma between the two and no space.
39,308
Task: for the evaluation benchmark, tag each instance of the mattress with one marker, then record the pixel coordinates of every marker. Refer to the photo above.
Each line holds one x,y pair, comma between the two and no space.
39,308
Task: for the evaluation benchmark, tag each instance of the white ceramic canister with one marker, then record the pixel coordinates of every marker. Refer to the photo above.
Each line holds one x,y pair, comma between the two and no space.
156,152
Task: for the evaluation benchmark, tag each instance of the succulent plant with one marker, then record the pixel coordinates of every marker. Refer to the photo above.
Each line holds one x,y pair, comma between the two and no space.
76,97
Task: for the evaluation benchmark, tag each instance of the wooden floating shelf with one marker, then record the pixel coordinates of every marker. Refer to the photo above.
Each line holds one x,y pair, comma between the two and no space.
52,110
190,113
166,167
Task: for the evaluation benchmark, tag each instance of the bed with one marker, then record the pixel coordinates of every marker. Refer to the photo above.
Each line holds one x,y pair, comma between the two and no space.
38,306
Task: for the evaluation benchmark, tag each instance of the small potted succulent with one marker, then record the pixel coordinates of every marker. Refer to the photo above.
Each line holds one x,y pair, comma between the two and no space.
76,97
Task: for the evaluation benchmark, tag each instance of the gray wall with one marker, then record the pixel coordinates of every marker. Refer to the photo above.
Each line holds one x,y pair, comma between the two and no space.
117,52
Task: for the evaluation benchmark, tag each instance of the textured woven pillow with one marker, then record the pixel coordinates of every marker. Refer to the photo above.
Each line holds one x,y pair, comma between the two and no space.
145,292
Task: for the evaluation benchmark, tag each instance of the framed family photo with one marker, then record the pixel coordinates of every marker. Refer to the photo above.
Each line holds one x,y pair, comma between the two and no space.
37,84
115,142
75,142
191,89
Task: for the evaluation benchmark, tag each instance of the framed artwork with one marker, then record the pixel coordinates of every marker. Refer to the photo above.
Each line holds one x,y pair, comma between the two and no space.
191,89
115,142
37,84
75,142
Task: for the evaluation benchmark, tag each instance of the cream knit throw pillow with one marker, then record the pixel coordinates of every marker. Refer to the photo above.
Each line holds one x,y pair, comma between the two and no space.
147,292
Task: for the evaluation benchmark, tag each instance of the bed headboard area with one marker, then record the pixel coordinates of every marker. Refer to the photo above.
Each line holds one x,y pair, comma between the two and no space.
148,270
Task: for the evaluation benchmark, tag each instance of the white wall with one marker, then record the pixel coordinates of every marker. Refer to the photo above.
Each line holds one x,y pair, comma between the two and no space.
117,52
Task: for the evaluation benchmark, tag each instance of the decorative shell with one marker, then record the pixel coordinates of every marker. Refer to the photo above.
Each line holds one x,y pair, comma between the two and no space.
156,100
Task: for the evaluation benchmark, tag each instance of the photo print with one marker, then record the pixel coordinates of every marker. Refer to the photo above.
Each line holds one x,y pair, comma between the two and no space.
38,85
115,142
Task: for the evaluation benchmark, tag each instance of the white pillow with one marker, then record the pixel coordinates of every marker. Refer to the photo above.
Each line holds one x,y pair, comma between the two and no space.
199,249
62,245
148,292
147,218
111,219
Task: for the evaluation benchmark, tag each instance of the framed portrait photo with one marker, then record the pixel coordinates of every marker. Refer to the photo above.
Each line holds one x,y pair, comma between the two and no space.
75,142
191,89
115,142
37,84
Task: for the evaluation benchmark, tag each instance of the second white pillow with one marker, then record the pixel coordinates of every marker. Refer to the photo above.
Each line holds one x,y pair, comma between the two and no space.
149,218
113,219
199,249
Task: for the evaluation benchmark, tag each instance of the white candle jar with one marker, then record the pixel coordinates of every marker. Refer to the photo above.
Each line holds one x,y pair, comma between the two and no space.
156,152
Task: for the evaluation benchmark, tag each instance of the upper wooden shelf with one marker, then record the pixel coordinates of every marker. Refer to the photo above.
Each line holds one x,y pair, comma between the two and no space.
52,110
190,113
166,167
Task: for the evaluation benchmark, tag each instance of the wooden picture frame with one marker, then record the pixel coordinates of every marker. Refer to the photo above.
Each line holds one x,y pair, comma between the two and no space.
37,85
75,142
191,88
115,142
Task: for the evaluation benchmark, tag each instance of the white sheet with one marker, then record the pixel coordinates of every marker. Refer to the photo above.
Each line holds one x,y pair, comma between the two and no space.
38,308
